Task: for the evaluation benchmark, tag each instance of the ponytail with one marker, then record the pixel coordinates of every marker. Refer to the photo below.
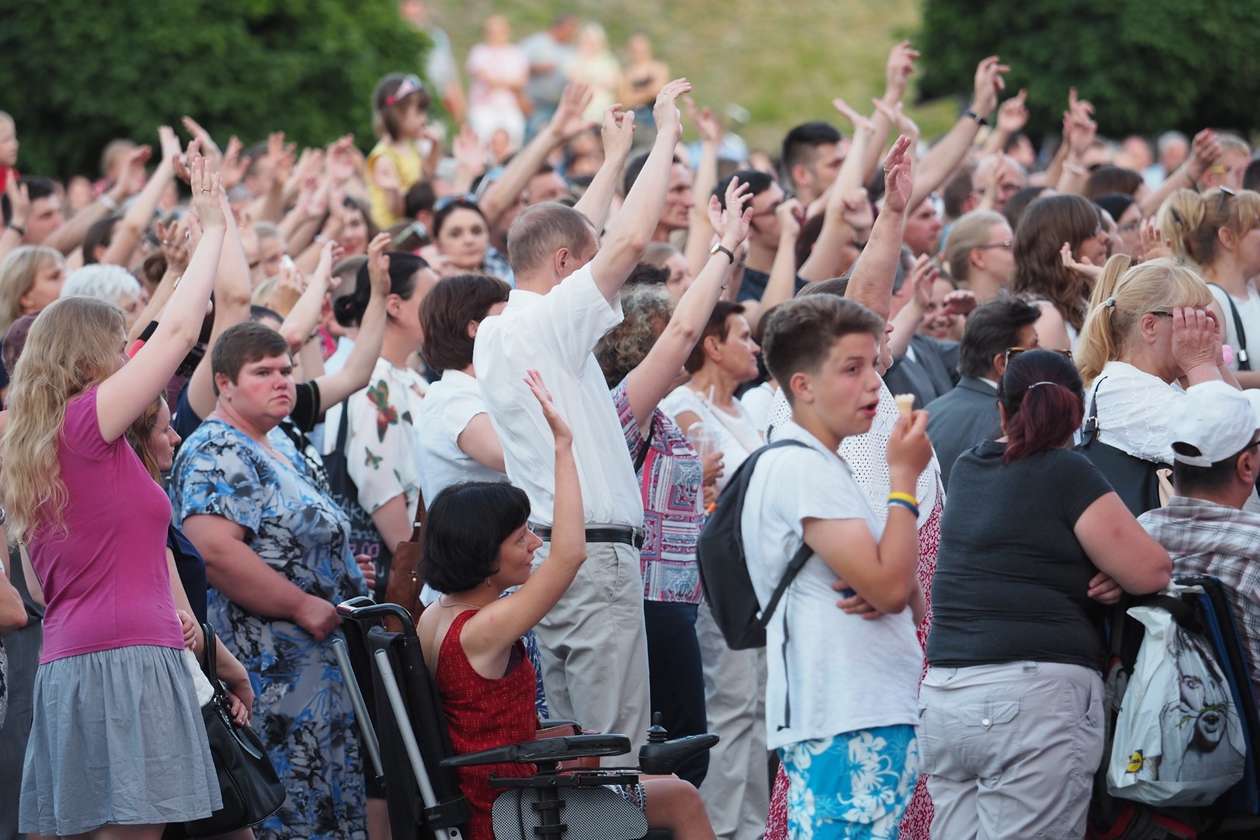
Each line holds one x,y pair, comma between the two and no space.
1181,223
1042,398
1100,341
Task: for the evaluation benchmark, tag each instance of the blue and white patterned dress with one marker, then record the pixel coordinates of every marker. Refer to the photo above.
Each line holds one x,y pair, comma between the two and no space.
301,710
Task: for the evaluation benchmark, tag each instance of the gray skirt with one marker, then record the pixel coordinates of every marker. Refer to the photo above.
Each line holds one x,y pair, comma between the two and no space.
117,738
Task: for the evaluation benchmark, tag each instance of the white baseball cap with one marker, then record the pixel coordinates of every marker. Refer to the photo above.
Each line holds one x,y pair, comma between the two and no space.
1216,419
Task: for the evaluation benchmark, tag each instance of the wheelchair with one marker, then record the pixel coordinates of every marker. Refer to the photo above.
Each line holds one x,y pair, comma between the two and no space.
399,714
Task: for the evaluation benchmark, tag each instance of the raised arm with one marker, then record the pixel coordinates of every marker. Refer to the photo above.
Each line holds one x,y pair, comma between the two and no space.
499,625
1079,131
127,233
126,394
873,273
354,375
231,307
897,72
630,232
566,122
618,136
70,235
846,203
906,322
1203,153
938,164
303,317
782,283
653,378
1012,116
700,231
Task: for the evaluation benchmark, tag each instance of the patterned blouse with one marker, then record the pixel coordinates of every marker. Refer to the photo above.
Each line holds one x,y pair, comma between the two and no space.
671,483
383,444
301,708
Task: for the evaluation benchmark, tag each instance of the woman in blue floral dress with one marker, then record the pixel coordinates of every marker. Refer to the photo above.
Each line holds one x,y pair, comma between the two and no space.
278,559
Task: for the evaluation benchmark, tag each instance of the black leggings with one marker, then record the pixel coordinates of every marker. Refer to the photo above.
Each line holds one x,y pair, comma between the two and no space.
677,678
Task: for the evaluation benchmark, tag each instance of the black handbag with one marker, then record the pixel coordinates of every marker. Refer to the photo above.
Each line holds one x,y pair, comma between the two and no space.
1135,480
249,784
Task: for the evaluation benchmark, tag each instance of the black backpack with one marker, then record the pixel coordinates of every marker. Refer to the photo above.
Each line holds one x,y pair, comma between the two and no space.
724,575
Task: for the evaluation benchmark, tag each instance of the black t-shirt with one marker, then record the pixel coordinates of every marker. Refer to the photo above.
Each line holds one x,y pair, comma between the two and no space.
191,568
1011,578
753,286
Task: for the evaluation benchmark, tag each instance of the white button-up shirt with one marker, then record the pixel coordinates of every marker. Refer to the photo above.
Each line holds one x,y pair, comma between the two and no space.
555,334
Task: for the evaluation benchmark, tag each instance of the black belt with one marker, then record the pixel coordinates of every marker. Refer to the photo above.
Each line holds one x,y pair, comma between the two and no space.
621,536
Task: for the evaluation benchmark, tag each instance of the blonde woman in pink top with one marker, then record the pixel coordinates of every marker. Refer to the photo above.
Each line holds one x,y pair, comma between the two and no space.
117,737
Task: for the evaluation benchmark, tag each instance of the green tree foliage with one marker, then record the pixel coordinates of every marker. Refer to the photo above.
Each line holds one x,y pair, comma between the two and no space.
75,74
1147,65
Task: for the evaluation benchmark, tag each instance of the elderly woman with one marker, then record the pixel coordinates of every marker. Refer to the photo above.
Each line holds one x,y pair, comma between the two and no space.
1041,276
1149,328
277,557
31,277
110,283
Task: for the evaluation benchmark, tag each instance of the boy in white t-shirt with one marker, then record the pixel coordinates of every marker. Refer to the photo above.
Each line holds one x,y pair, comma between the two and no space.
842,688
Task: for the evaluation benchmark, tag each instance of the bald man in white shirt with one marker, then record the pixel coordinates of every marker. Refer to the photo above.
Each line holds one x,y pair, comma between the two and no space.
593,642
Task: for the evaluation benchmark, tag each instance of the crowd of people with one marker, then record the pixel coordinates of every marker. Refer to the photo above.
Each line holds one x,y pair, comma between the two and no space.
538,315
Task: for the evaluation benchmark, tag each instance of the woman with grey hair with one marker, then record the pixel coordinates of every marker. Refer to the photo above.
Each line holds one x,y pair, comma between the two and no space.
642,360
110,283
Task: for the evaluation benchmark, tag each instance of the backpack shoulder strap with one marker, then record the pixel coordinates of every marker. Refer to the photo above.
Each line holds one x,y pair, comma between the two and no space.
798,560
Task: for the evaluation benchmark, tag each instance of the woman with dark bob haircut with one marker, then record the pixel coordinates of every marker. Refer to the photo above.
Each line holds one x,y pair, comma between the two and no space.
1033,542
458,443
478,545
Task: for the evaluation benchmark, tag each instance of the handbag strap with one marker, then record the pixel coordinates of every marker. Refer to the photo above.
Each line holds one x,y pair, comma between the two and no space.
1244,361
643,451
1089,431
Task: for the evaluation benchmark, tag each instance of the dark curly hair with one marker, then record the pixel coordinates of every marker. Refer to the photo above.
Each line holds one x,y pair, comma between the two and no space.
467,525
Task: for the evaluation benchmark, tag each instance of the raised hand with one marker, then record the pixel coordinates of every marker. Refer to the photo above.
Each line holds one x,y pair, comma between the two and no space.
898,176
568,121
791,216
898,70
1013,115
19,202
1093,272
617,133
706,122
469,156
960,302
731,223
559,428
169,144
665,111
173,240
908,446
1204,152
1196,338
132,177
378,263
209,148
990,82
899,119
340,159
860,121
856,211
207,193
922,276
234,165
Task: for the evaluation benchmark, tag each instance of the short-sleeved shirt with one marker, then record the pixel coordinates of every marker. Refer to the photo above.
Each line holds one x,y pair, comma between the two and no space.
840,672
383,441
556,334
449,406
1011,577
672,480
736,433
753,286
105,577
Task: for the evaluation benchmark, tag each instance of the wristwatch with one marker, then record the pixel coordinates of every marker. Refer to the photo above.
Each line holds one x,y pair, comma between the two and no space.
979,119
719,249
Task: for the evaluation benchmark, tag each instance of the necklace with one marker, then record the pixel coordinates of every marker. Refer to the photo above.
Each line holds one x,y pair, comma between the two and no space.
456,604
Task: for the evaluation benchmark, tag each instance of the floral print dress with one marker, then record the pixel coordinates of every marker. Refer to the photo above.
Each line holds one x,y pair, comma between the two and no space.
302,710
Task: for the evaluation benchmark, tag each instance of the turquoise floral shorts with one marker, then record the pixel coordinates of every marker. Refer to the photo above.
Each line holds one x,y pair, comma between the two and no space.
852,785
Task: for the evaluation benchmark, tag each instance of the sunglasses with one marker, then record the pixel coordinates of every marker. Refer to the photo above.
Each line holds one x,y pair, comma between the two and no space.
1012,352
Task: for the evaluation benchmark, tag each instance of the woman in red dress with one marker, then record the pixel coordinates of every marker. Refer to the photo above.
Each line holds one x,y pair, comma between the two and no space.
478,545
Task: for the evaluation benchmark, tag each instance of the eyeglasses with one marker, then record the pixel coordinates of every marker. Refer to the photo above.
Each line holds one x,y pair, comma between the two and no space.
1163,313
1012,352
1005,245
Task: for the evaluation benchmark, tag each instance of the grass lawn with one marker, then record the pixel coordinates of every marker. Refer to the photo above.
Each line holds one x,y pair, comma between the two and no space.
781,61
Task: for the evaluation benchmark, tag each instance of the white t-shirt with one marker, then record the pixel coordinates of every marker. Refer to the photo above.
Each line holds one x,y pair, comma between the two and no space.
1133,411
758,401
1249,314
737,434
841,672
556,334
449,406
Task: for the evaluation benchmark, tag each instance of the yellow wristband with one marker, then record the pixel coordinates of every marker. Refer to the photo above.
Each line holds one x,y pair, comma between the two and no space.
905,497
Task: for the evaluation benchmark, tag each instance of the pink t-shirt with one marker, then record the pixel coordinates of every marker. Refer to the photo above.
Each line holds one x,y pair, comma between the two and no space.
105,581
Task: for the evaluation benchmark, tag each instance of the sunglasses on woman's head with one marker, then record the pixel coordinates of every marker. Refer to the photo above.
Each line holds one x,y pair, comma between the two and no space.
1012,352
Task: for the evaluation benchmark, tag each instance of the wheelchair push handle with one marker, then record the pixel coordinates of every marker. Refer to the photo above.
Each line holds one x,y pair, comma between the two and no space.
364,608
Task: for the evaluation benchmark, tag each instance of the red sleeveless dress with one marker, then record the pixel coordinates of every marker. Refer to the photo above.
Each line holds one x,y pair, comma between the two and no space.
482,714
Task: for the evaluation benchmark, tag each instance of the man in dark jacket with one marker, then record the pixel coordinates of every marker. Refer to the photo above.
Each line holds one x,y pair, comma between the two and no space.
968,414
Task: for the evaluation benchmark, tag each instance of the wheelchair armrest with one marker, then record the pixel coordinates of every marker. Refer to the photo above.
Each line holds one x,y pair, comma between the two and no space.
666,757
545,750
556,724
